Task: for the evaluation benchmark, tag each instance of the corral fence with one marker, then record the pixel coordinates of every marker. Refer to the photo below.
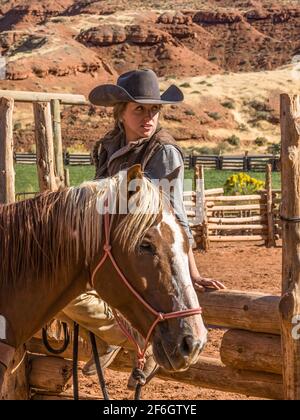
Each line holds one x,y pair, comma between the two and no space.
243,163
231,163
216,217
82,159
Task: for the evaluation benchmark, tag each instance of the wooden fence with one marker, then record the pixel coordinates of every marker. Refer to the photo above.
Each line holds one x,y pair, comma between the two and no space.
72,159
243,163
221,218
229,163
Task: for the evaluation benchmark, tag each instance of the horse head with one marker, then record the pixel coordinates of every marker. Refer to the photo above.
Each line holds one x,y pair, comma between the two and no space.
152,249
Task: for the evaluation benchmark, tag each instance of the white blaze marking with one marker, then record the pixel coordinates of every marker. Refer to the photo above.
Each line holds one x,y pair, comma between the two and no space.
183,280
2,328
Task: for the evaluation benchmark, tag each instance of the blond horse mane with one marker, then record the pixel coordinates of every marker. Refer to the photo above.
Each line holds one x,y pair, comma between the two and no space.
39,235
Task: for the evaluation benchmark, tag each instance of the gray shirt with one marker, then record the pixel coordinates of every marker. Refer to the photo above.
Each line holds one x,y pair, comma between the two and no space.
165,161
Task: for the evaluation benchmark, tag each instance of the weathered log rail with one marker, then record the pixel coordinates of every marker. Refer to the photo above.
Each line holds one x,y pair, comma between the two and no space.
250,353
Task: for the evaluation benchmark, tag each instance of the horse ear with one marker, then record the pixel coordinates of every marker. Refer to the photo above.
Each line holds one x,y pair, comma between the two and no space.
134,172
173,175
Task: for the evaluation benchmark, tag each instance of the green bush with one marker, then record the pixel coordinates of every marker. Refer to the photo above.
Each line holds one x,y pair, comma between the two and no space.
233,140
189,112
205,150
260,141
17,126
214,115
228,104
185,85
262,116
259,106
274,148
243,127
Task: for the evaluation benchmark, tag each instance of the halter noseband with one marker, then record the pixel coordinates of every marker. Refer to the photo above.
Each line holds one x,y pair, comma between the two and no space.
160,316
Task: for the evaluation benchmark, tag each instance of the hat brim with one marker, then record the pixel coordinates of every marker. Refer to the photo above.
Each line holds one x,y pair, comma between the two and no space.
110,95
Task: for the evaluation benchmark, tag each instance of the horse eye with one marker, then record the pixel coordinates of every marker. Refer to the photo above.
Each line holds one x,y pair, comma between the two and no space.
146,247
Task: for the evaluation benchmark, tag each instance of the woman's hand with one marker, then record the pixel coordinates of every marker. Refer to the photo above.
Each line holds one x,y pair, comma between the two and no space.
201,283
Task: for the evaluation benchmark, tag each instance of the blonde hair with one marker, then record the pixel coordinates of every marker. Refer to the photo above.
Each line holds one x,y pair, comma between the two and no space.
118,111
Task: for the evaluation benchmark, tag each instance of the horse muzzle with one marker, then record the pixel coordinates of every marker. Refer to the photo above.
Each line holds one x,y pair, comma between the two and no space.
177,354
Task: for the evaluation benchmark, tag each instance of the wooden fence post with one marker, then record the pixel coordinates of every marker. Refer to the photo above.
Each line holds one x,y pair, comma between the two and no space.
245,162
7,172
201,205
44,146
270,215
16,385
57,139
290,210
67,177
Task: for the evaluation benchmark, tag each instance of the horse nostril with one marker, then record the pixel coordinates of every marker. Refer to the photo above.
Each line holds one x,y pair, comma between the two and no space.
187,346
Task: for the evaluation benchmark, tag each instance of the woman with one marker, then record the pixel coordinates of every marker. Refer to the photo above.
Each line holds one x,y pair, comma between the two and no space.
136,138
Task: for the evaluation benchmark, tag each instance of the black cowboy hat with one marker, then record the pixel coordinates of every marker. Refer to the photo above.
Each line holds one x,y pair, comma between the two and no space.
140,86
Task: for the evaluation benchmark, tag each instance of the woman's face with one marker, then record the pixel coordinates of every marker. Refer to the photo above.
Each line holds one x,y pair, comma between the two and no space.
140,120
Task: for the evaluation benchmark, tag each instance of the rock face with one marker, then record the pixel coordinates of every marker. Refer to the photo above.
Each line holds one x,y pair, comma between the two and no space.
144,35
21,13
72,45
103,36
215,18
251,36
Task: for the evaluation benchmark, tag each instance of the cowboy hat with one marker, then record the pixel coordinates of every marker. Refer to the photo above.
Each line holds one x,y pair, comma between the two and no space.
140,86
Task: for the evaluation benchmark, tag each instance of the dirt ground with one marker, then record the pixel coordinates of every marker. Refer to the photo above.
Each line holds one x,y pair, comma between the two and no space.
242,267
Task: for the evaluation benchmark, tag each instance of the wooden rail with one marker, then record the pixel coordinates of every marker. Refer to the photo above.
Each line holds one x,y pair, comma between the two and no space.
190,162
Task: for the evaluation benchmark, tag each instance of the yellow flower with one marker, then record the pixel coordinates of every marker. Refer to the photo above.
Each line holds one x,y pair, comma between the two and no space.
242,183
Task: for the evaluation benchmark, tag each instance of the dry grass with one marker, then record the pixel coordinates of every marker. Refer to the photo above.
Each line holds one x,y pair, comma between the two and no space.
240,89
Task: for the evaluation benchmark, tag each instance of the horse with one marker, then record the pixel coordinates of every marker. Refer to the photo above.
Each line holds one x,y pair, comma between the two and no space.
50,248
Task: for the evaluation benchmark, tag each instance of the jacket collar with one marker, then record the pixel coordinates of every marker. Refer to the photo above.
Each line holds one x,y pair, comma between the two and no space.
126,147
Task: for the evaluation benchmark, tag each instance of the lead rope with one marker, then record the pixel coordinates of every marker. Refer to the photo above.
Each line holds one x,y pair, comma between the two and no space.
75,362
97,363
137,373
99,367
